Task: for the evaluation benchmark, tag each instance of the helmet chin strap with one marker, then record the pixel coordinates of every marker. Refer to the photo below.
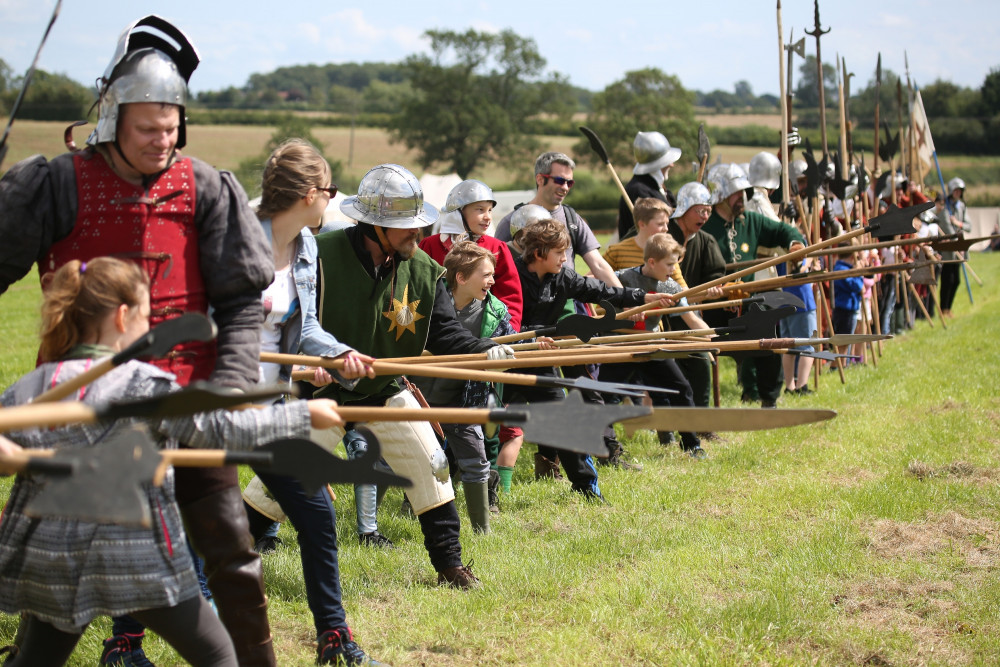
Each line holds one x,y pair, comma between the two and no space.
383,241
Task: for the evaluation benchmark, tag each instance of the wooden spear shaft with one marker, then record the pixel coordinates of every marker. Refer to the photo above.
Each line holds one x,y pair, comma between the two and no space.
785,192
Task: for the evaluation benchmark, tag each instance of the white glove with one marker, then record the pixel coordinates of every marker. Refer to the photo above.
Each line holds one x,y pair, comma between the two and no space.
500,352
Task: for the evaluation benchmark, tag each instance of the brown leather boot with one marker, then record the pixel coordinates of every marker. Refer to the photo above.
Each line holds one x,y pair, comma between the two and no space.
458,577
218,529
547,468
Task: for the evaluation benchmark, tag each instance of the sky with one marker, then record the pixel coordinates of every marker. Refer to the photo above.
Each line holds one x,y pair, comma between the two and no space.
707,45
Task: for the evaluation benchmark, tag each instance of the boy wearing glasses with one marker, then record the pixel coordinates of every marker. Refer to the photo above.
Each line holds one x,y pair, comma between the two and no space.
553,181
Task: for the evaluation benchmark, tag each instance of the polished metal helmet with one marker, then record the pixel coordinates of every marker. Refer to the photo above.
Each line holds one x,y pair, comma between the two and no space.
691,194
390,196
765,170
726,179
468,192
798,169
955,184
152,63
652,152
526,215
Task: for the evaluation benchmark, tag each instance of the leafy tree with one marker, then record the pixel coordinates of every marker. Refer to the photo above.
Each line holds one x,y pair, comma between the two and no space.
645,100
991,92
807,92
863,103
471,97
50,97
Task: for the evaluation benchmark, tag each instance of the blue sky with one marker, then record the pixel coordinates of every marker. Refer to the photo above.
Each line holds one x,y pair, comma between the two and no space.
708,45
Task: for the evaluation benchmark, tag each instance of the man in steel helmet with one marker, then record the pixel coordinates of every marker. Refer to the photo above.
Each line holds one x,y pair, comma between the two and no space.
131,194
381,294
738,233
653,158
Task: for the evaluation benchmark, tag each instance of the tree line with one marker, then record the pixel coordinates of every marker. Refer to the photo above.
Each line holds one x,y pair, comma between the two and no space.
480,97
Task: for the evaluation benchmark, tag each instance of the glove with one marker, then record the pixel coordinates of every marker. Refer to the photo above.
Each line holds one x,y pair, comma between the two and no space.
499,352
793,137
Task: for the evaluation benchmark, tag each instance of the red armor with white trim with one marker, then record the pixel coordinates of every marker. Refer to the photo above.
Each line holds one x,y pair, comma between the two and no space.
154,228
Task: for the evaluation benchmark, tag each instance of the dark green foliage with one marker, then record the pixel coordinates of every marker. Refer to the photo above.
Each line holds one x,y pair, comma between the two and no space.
50,96
290,127
471,98
645,100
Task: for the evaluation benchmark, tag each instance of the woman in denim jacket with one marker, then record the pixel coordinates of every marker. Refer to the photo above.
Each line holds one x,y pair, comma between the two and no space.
296,189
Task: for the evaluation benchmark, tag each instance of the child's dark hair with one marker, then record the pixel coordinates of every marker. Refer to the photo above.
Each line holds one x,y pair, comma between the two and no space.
660,245
79,295
463,258
542,236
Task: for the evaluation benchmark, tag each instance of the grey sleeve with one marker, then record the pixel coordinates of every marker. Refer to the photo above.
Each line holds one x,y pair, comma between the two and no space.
583,238
240,429
37,208
236,265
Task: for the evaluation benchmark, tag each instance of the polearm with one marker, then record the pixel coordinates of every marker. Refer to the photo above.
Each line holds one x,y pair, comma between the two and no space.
823,276
847,112
26,82
903,160
817,32
865,246
878,95
911,141
786,117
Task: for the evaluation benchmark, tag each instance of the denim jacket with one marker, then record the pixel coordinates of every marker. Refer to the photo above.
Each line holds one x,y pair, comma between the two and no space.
302,332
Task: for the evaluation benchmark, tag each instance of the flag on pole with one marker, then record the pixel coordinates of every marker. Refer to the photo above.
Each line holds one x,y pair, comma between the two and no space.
921,130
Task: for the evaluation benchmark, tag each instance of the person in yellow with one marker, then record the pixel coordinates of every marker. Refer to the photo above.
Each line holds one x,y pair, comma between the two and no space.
651,217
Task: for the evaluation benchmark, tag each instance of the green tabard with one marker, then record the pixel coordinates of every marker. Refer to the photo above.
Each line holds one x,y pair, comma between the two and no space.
369,318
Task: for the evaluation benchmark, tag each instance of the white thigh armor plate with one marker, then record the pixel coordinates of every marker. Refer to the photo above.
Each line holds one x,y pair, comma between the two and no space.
411,449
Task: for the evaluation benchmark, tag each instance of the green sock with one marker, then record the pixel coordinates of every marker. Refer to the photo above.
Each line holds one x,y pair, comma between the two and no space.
506,473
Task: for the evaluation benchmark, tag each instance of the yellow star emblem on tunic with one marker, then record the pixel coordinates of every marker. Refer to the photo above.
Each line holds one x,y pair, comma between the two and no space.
403,314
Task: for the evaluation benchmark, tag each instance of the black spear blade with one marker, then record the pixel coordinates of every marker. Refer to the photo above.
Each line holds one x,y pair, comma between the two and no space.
863,177
585,328
756,323
704,147
888,148
196,397
822,354
572,424
897,220
163,338
586,383
595,144
127,456
315,467
779,298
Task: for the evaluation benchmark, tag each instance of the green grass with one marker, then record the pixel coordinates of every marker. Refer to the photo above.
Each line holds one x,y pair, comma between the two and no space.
869,539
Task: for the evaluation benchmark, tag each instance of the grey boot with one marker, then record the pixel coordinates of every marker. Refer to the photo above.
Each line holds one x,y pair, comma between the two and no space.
477,502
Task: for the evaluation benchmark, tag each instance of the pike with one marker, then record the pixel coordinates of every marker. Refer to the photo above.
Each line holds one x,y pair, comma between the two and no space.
823,276
130,457
598,147
704,152
155,343
577,325
817,32
724,419
430,370
893,222
878,93
786,116
27,82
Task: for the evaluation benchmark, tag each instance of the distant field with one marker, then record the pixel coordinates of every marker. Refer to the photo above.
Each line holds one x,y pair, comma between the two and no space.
770,120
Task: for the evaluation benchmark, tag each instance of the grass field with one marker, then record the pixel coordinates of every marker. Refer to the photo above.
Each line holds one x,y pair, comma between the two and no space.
871,539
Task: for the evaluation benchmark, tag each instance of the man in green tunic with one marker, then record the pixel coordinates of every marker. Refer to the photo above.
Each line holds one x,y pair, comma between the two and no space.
738,234
381,294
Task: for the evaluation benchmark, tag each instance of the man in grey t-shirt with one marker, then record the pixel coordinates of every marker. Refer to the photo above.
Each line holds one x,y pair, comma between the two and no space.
553,181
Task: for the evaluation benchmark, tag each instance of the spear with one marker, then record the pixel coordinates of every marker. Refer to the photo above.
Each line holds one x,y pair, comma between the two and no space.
817,32
786,116
878,97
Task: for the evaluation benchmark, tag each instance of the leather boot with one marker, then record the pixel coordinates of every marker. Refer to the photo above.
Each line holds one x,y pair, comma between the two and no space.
218,529
546,468
477,502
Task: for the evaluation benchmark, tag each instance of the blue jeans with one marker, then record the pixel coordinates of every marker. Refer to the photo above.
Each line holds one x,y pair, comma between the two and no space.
315,523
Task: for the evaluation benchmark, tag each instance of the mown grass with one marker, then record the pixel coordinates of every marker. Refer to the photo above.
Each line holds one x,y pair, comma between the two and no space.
868,539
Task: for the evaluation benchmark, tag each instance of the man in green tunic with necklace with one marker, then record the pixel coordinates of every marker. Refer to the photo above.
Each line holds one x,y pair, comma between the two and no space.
738,234
381,294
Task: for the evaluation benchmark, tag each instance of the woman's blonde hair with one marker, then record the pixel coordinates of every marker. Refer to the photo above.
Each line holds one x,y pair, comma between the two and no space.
79,295
292,169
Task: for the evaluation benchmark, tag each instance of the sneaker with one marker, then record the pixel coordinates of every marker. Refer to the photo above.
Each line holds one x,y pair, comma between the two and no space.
460,576
696,453
267,545
804,390
547,468
337,647
124,651
375,539
791,391
493,491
